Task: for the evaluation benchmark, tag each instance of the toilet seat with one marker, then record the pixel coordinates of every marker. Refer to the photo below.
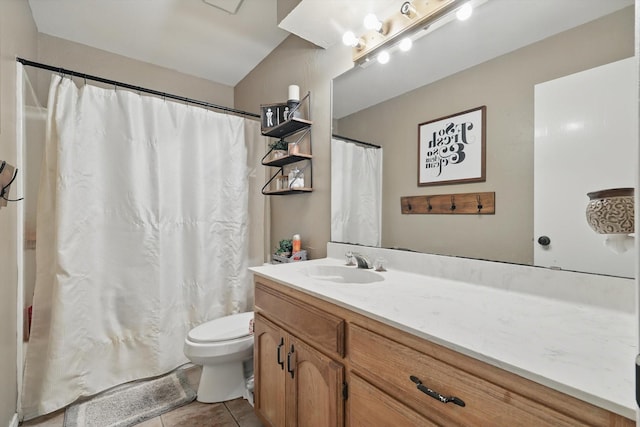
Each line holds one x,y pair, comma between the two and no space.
223,329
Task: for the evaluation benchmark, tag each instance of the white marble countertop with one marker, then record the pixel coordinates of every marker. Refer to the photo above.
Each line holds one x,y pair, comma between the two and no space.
584,350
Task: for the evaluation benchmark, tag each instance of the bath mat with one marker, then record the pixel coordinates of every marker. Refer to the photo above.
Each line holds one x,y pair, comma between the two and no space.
131,404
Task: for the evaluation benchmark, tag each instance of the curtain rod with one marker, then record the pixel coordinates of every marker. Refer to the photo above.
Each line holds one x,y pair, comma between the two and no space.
132,87
344,138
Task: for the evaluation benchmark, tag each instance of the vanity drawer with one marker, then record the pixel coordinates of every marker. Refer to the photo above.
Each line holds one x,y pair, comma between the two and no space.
368,406
315,326
389,365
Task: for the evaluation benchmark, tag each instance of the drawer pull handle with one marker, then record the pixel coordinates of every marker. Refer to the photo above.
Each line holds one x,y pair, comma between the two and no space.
280,361
289,364
435,394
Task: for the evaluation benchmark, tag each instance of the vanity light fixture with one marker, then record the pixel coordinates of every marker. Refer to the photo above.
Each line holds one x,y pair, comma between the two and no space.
403,27
350,39
408,10
371,22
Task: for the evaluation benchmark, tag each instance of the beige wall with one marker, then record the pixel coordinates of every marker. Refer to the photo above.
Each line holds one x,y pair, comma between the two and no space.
78,57
506,86
18,37
297,61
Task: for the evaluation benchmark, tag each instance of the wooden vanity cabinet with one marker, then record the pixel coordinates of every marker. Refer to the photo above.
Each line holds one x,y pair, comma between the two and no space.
378,361
295,383
397,369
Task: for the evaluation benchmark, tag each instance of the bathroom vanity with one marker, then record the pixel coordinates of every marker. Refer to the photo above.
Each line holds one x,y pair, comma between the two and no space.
335,345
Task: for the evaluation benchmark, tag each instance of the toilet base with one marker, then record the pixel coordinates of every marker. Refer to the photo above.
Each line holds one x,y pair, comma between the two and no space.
221,382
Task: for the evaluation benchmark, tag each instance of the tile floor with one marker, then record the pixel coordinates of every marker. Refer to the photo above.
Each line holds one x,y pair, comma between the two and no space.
234,413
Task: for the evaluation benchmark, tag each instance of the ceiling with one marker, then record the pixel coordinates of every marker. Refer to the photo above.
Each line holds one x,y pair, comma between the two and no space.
219,40
223,40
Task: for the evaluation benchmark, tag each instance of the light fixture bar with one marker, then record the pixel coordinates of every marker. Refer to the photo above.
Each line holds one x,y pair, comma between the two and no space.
401,25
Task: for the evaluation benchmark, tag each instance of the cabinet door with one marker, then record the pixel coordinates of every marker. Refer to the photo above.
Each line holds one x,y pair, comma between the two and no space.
269,370
314,388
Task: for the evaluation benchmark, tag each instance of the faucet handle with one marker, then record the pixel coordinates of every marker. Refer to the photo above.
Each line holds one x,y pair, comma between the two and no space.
379,263
349,256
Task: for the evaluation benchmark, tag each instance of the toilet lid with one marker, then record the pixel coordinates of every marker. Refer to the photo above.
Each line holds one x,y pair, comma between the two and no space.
222,329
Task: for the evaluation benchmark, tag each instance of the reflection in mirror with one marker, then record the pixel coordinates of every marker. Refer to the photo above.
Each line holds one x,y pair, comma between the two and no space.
498,62
356,192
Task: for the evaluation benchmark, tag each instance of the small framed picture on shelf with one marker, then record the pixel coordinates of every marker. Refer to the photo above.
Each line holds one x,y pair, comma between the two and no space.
271,115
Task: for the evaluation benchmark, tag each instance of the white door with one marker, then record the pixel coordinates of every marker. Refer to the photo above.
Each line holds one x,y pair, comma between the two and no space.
585,140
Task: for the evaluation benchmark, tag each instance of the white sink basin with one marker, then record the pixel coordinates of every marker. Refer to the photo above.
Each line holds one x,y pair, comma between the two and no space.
339,274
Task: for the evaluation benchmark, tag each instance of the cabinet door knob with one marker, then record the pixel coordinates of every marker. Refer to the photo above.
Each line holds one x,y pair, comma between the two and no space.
544,241
280,361
432,393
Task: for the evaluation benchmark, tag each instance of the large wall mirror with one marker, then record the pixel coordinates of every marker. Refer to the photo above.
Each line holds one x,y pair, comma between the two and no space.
502,58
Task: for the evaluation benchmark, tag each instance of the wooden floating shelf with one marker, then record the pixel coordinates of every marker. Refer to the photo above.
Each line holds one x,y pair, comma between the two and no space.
288,191
452,204
285,160
287,128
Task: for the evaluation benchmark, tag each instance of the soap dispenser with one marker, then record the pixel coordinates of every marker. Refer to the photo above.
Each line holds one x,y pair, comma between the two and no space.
295,242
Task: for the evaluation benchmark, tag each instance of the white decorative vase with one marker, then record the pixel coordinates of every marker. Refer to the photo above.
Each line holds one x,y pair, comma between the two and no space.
611,211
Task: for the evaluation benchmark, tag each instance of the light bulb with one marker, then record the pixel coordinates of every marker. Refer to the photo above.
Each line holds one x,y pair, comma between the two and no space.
349,39
383,57
371,22
405,44
464,12
407,9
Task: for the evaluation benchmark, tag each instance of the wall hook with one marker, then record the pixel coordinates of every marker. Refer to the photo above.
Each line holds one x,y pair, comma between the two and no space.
409,206
453,203
479,204
429,207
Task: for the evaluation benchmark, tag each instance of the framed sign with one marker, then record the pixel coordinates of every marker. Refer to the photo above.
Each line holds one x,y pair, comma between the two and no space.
272,115
451,149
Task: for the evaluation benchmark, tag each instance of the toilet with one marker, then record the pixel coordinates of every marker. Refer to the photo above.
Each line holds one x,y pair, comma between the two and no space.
221,346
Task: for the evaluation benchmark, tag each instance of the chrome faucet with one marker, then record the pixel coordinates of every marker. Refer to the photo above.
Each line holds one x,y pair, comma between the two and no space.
363,261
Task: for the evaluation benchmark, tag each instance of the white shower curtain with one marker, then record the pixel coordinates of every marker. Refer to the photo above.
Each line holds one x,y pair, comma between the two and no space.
356,193
142,234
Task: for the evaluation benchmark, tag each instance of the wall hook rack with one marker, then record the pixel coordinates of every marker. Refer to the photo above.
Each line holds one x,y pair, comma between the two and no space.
460,203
